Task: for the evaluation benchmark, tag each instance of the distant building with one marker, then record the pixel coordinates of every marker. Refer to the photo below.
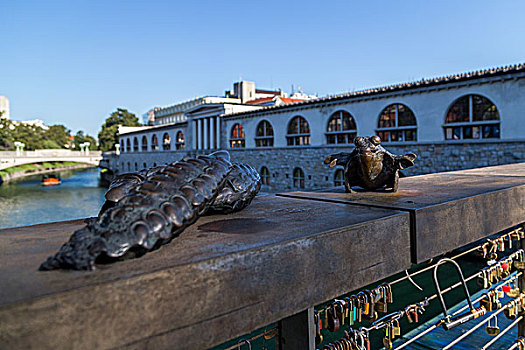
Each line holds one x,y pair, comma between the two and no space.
244,92
148,118
34,122
4,107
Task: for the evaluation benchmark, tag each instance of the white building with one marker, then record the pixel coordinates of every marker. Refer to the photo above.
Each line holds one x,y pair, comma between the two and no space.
4,107
244,92
454,122
34,122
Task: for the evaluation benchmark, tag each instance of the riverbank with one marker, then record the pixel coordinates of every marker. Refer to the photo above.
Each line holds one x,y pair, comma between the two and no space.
25,170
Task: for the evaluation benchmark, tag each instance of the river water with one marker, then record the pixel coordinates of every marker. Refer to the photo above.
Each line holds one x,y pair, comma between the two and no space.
26,202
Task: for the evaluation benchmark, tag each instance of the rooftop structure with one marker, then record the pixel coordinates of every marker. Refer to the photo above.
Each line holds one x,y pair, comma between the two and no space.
244,92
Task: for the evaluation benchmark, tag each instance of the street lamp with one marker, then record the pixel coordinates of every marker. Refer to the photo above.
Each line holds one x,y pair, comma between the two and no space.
84,147
19,147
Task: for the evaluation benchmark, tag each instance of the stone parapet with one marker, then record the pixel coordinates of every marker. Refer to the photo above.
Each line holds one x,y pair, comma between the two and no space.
281,161
228,275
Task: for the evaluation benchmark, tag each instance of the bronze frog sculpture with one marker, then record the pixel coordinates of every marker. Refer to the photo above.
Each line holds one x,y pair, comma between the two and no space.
370,166
149,208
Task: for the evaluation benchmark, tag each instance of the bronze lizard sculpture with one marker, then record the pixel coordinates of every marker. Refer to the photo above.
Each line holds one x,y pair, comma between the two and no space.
149,208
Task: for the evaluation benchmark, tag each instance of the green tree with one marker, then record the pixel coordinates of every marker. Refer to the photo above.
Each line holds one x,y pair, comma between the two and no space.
107,137
32,136
6,137
50,144
59,135
81,138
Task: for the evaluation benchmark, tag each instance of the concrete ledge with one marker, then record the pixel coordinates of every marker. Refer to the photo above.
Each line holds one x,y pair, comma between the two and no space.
228,275
223,277
448,210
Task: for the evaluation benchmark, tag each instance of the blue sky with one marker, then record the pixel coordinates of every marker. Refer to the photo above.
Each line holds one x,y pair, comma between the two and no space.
74,62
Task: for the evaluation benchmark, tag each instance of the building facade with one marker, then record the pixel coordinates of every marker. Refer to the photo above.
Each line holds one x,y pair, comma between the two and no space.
455,122
4,107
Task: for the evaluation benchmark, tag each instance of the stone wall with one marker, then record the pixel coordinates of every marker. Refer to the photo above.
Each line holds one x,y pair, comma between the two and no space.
281,161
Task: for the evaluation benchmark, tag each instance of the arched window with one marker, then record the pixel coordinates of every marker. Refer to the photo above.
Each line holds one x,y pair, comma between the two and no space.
397,123
265,176
154,143
129,166
144,144
179,144
166,142
144,166
237,136
341,128
122,149
298,178
298,132
472,117
136,166
135,144
339,177
264,134
128,146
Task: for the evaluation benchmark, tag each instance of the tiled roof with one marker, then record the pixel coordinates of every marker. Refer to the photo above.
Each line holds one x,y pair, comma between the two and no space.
260,100
485,73
268,99
291,100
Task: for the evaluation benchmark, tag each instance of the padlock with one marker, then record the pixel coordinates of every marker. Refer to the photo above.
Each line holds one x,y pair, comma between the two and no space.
366,337
415,315
486,302
515,291
496,304
340,311
448,322
387,340
510,311
409,316
396,329
501,244
382,302
381,306
318,326
483,280
520,265
333,320
493,330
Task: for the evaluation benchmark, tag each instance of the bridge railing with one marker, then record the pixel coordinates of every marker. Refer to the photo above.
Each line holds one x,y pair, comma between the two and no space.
228,275
48,153
9,159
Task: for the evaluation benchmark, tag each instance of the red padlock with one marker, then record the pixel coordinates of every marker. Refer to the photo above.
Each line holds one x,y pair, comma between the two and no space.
506,289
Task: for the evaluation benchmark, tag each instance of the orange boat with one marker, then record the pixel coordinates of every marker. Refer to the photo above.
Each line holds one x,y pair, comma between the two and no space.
50,180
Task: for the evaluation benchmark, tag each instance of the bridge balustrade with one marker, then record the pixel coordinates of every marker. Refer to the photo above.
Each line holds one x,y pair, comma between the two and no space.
9,158
228,275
